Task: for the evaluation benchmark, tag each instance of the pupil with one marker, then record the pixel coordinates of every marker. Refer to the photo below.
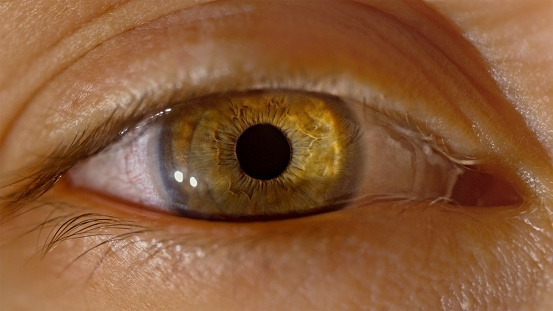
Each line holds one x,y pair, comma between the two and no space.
263,151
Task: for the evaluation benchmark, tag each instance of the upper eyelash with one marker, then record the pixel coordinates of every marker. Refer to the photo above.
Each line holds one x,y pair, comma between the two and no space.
33,181
30,183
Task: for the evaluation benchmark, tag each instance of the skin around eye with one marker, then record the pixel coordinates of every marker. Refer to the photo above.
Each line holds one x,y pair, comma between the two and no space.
336,153
74,251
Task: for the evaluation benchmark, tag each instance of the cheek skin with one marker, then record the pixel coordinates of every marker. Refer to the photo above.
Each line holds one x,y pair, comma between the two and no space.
438,256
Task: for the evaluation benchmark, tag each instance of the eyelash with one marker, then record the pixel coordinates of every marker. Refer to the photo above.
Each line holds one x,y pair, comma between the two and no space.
42,176
66,223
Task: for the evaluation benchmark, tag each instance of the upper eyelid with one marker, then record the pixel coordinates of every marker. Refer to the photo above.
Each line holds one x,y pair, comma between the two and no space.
142,98
124,100
147,97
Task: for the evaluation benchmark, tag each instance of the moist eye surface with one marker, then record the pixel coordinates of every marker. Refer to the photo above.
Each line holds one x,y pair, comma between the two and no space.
270,154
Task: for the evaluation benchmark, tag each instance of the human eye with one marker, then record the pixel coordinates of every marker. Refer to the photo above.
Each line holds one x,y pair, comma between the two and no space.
383,68
267,154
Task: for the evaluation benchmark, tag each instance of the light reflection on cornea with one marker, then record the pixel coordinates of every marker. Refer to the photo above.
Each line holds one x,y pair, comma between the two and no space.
193,182
179,176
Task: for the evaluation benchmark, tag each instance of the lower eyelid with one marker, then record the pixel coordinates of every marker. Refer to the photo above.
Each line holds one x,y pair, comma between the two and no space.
385,242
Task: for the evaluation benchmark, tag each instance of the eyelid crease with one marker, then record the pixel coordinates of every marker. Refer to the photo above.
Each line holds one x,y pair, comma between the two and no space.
95,100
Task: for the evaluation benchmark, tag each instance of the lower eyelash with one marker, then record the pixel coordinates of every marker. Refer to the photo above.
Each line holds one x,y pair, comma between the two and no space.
65,222
115,241
110,237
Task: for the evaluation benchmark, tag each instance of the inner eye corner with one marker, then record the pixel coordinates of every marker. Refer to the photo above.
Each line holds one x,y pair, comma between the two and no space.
479,183
475,185
478,186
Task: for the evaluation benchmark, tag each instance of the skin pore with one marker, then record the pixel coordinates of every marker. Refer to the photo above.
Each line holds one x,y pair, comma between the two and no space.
66,66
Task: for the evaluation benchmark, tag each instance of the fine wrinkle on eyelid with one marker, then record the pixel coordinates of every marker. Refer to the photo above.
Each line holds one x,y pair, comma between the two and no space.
53,46
525,78
440,36
53,61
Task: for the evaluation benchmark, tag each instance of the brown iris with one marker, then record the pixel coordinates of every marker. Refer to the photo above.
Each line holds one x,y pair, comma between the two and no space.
260,154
